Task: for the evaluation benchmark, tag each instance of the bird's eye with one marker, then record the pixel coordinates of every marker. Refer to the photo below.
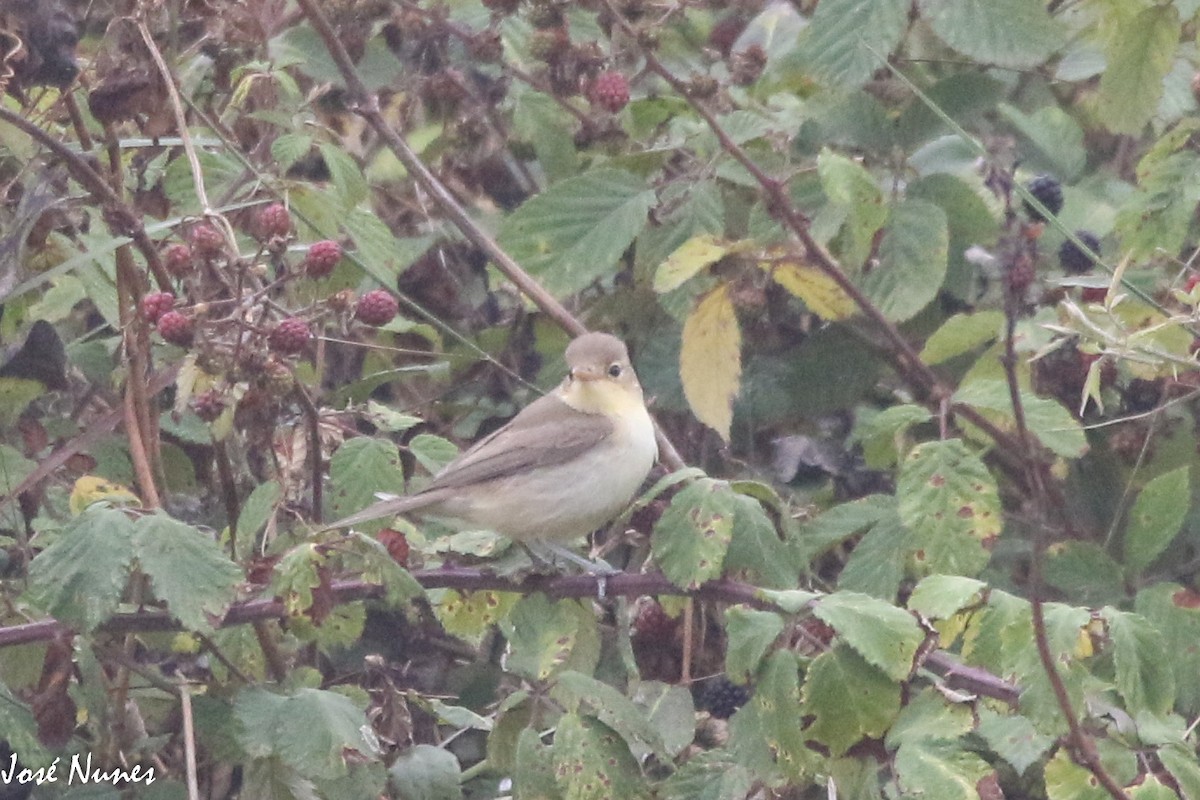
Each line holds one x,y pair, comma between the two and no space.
614,371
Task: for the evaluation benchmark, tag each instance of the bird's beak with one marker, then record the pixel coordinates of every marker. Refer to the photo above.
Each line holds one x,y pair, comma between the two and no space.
587,373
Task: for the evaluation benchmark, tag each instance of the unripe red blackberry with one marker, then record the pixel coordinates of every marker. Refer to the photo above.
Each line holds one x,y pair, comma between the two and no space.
1075,261
178,259
1094,294
155,304
609,90
271,221
1048,192
290,336
208,405
206,240
322,257
176,328
1191,283
376,307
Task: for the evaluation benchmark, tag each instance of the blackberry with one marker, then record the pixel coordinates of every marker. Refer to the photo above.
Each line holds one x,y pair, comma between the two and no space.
290,336
322,257
1048,192
176,328
610,91
178,259
209,405
206,240
1075,261
155,304
376,307
271,221
722,697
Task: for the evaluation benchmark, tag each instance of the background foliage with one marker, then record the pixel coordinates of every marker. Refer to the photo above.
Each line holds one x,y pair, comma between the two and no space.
911,286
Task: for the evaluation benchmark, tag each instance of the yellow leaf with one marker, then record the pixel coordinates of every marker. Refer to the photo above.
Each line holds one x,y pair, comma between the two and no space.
688,259
90,489
710,360
818,291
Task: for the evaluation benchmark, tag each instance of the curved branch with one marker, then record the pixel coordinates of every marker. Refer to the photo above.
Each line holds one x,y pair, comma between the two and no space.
956,675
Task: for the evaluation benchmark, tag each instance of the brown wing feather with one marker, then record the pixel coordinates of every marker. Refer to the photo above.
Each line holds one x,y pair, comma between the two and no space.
522,444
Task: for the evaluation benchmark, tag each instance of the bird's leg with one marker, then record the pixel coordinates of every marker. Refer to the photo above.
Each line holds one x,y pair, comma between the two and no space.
546,552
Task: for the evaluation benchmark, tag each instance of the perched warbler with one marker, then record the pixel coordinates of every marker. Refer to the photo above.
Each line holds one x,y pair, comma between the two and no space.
564,466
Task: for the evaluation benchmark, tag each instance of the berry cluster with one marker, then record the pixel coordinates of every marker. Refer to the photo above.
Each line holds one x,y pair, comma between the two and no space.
234,345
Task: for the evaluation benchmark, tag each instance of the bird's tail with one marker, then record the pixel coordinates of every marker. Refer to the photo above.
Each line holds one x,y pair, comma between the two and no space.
386,508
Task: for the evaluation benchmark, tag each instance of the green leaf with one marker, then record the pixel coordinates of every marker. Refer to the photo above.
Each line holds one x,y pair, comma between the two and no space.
1160,214
345,175
1066,780
1045,417
582,693
709,775
838,43
538,118
1180,761
1056,137
883,436
886,636
849,187
692,536
876,567
359,469
961,334
839,523
751,634
999,634
433,452
533,778
1007,33
1084,571
1138,59
187,569
425,772
912,260
776,701
671,712
951,504
939,769
591,762
943,596
929,716
1013,738
1156,518
256,511
80,577
1144,677
1175,612
313,731
755,549
575,232
288,148
381,254
1152,789
848,700
544,635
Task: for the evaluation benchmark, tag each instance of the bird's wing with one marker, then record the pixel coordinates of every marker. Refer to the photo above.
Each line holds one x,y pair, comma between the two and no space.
522,444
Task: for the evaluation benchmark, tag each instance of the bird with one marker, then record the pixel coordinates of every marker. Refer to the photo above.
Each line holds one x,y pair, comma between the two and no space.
567,464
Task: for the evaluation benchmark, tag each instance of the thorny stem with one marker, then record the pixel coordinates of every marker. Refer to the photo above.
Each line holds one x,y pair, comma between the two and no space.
1085,747
259,612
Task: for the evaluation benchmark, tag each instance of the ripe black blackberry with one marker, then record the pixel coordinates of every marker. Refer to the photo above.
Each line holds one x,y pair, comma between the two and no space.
722,697
1075,261
1048,192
